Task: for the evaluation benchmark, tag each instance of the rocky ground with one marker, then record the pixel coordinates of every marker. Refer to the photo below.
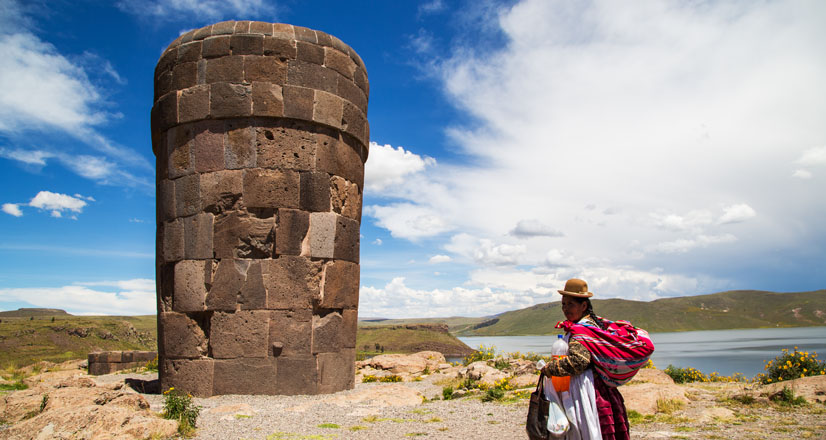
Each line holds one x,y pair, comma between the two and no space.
81,406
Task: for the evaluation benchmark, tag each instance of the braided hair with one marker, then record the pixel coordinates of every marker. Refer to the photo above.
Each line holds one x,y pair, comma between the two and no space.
589,311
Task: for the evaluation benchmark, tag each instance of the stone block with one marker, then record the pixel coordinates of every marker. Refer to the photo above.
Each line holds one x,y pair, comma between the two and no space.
184,75
240,149
354,123
97,368
253,294
183,337
221,190
194,104
227,69
242,27
340,45
163,85
179,151
245,376
298,102
230,100
311,53
208,146
290,333
227,282
345,198
216,47
315,191
286,145
223,28
191,278
144,356
324,39
336,371
340,285
314,76
349,327
167,61
127,356
283,49
244,236
327,331
297,375
327,109
321,236
349,91
283,31
340,62
305,34
172,241
187,195
360,78
290,231
267,99
193,376
247,44
264,68
198,236
202,33
347,239
165,111
165,285
292,282
189,52
338,157
243,334
110,357
271,188
260,27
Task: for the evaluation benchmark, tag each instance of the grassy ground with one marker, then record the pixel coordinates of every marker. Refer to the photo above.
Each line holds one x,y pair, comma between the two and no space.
407,339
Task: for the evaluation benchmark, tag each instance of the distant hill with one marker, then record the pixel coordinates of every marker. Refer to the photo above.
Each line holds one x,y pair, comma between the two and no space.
409,338
455,324
27,313
718,311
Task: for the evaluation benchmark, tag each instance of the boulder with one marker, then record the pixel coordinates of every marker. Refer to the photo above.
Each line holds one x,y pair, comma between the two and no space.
380,395
651,375
482,372
643,397
812,388
406,363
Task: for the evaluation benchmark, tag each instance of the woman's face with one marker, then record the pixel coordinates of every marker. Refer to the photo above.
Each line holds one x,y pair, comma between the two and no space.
573,310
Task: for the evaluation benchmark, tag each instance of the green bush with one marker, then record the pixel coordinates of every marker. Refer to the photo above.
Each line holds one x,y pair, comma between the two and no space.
447,393
369,378
152,365
683,375
391,378
788,397
482,354
493,394
792,365
178,406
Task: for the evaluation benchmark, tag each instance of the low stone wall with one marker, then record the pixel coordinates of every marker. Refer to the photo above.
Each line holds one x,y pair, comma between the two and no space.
105,362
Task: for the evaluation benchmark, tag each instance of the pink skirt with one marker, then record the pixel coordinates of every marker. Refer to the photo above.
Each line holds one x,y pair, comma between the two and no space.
613,420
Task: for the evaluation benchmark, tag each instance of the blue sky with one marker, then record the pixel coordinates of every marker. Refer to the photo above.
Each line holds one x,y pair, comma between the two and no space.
655,149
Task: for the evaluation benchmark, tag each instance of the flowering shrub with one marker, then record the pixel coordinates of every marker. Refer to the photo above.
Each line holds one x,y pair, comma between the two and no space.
791,365
649,364
369,378
482,354
683,375
178,406
390,378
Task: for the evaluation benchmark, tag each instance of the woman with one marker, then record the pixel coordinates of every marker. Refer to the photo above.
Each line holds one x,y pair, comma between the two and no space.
589,392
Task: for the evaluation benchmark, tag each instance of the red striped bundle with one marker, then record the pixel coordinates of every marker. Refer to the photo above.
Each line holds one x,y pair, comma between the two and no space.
617,352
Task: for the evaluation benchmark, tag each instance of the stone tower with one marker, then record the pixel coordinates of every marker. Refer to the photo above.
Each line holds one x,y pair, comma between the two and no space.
260,135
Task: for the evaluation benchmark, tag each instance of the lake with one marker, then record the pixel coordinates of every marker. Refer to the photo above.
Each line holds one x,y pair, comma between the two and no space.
723,351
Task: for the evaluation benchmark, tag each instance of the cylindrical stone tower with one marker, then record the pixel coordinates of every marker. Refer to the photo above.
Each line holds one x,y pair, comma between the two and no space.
260,134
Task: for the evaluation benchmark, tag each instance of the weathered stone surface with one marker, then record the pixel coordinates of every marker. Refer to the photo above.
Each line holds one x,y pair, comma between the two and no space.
340,284
198,236
290,333
244,236
240,150
349,327
312,76
249,44
345,198
228,100
339,158
349,91
264,68
404,363
271,188
246,376
310,53
189,52
191,278
187,195
347,239
208,146
194,104
354,122
225,69
227,282
279,47
315,191
298,102
327,109
217,46
321,236
221,190
243,334
336,371
183,337
286,145
172,236
179,150
340,62
267,99
482,372
253,294
291,282
184,75
166,200
327,332
291,231
297,375
643,397
194,376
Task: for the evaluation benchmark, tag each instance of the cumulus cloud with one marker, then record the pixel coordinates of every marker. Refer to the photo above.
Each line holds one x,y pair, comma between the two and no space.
534,228
406,220
802,174
736,214
180,10
95,168
431,7
128,297
12,209
387,166
439,259
57,203
813,156
485,251
683,245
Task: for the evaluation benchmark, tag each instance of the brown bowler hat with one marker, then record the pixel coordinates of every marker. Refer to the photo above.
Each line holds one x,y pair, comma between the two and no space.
576,287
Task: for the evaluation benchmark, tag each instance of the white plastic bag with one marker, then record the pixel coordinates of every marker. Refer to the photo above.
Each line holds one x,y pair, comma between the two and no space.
557,419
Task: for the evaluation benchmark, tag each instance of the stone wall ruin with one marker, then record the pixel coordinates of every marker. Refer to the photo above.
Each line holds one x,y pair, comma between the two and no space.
260,136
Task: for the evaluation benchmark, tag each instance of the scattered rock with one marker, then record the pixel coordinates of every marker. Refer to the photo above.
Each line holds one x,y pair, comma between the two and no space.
812,388
482,372
415,363
715,413
643,397
651,375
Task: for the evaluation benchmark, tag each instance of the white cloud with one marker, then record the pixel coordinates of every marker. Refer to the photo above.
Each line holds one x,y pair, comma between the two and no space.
693,220
736,214
96,168
377,242
436,259
431,7
57,203
802,174
813,156
406,220
12,209
684,245
28,157
485,251
387,166
181,10
129,297
534,228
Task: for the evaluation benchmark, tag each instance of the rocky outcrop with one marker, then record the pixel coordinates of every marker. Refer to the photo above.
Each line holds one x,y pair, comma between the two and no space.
406,363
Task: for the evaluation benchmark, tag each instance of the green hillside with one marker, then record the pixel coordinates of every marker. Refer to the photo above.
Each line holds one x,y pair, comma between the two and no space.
456,324
409,338
725,310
